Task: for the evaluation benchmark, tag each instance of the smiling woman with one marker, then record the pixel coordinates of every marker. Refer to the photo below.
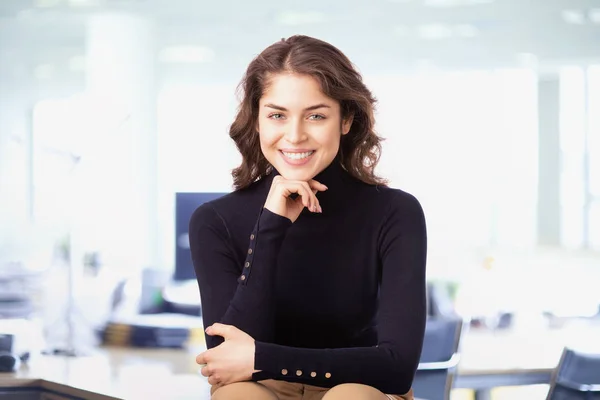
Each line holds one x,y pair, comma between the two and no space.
311,87
312,272
299,126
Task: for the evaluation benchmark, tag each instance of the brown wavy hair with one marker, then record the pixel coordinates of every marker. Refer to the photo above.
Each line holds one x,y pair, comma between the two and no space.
360,149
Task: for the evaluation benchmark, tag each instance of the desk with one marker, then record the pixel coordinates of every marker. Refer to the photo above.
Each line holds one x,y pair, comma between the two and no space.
483,381
126,373
489,360
114,373
516,358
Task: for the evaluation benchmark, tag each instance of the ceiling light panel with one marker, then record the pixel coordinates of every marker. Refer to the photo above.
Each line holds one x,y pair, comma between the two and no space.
574,17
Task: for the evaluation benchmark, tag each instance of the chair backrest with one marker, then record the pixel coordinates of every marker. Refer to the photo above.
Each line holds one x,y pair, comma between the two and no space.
576,377
185,205
439,358
439,301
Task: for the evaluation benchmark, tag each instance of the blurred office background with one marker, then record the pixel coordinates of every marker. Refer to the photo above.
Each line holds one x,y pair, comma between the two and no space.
490,110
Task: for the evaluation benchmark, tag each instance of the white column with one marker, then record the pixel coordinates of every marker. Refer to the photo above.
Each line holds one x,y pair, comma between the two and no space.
548,216
572,146
594,155
122,156
15,168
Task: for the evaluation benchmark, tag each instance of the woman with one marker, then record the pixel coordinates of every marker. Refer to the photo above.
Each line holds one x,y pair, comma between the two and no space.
312,272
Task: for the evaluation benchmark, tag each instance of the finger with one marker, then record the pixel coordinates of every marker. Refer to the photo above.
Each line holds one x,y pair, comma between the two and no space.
283,187
290,187
206,371
217,329
201,358
307,196
213,380
316,185
314,202
303,189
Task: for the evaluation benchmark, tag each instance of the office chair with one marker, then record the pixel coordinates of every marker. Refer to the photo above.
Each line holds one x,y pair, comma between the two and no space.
439,302
439,359
577,377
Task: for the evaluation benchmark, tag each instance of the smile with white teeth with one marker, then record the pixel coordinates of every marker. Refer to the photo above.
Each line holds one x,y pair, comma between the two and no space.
298,156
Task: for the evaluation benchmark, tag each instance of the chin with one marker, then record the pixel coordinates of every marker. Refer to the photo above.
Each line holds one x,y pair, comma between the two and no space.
296,174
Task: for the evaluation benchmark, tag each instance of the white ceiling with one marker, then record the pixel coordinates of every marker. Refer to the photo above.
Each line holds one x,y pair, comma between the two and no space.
379,35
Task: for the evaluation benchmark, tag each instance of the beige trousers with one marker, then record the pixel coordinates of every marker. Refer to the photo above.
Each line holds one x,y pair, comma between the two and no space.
298,391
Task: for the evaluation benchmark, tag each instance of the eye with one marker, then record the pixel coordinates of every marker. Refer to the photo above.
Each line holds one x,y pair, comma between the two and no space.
316,117
276,116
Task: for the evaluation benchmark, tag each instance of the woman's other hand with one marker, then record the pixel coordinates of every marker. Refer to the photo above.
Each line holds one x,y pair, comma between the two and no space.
281,199
231,361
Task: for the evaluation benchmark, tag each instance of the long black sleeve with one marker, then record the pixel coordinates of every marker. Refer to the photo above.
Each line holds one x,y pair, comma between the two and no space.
336,297
230,293
390,365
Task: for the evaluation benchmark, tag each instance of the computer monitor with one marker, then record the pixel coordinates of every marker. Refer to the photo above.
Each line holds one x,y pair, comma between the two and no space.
185,205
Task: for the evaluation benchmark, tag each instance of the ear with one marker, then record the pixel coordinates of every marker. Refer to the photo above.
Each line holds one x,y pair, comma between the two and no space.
347,124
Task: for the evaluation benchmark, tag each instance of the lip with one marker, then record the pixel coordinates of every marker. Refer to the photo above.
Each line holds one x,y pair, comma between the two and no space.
297,163
296,150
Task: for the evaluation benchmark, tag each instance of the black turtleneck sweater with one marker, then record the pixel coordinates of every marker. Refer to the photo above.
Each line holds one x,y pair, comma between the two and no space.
336,297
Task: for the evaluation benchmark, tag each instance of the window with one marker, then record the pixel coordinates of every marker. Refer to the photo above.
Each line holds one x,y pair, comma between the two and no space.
594,155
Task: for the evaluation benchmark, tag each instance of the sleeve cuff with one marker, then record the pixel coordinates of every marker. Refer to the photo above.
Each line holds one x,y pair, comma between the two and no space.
266,359
268,221
286,363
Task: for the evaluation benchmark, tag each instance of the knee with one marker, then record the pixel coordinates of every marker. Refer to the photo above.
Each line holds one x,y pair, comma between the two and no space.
243,391
355,391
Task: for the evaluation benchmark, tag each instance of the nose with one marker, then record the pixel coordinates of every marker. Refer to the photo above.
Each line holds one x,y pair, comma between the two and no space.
295,132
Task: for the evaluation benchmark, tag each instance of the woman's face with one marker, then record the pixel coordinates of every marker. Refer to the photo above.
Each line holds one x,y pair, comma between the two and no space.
299,127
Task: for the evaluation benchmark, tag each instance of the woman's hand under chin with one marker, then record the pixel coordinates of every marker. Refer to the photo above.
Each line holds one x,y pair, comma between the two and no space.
231,361
282,198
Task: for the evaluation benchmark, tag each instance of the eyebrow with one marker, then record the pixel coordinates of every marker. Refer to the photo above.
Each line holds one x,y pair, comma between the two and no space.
311,108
